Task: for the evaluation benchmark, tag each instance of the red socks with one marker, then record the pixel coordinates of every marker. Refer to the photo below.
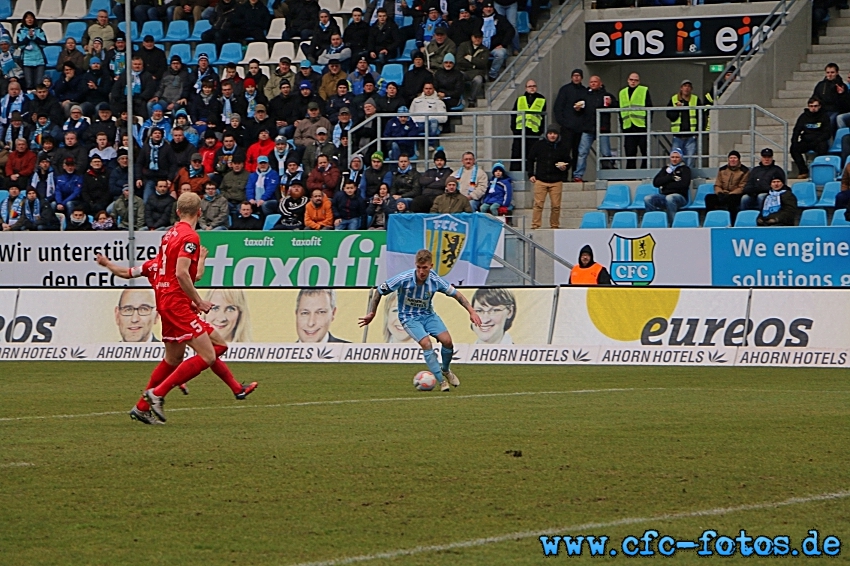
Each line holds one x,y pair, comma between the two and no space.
186,371
160,373
223,372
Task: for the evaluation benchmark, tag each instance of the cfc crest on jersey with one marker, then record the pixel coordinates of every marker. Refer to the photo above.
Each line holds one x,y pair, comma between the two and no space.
190,247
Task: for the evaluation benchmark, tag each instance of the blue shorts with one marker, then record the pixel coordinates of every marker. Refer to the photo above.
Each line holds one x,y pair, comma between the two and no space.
424,325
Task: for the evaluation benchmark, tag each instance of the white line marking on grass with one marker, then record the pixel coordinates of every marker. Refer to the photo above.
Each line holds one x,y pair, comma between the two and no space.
345,402
16,465
419,398
584,527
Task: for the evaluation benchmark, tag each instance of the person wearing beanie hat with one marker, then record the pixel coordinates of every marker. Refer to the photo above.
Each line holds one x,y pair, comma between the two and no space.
254,99
568,111
358,75
341,98
729,186
588,272
429,25
498,200
438,48
203,72
473,58
780,206
498,36
673,183
400,127
758,182
433,183
682,122
547,164
449,83
377,174
324,28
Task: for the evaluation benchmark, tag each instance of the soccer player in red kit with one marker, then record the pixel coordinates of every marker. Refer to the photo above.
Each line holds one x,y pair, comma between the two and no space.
141,412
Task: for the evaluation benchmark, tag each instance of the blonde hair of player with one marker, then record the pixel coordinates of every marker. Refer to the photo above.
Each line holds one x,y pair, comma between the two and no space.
188,205
235,297
424,257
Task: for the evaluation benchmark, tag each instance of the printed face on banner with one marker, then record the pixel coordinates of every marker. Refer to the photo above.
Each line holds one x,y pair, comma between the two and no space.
315,310
136,314
230,314
445,237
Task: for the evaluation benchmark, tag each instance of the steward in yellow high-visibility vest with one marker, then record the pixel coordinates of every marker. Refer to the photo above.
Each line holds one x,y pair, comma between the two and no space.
634,121
685,97
532,108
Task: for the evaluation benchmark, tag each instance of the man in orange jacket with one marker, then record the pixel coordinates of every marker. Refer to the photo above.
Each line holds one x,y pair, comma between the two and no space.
587,271
317,213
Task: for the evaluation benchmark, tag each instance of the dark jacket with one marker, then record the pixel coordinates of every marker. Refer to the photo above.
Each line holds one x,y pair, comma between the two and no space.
167,166
595,99
348,207
285,109
375,178
303,14
542,157
158,210
414,79
451,83
209,112
225,12
119,90
504,32
812,128
433,181
565,114
95,195
154,59
786,214
250,223
74,89
461,30
108,127
253,19
830,100
676,182
384,38
78,152
50,106
356,37
760,177
603,278
117,179
103,86
406,185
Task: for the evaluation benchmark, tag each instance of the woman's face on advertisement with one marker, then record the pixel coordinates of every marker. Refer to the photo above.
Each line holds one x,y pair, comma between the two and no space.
224,316
493,319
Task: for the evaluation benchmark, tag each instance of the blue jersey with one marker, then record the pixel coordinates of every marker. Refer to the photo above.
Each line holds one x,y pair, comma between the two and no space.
414,299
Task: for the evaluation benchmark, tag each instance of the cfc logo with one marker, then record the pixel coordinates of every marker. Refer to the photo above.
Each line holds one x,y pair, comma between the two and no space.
632,260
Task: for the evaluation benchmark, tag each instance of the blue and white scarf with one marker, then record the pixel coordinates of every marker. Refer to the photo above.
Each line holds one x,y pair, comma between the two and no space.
10,214
473,178
7,106
137,82
201,78
153,164
260,185
9,66
489,30
32,209
226,109
252,103
772,203
430,27
118,64
39,132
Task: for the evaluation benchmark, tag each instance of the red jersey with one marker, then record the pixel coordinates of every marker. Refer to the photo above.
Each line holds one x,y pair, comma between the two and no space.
148,269
180,241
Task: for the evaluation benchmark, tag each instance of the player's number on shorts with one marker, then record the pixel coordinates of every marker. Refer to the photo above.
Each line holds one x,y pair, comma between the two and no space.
196,326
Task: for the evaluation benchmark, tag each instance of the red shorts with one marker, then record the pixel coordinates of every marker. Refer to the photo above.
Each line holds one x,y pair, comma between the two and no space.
180,322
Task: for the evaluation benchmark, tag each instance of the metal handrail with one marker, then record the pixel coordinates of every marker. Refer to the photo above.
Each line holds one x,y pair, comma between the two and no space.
752,131
513,269
529,241
774,19
531,50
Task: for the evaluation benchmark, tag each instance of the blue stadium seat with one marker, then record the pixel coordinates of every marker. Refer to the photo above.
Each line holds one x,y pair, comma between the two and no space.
617,197
746,219
270,221
5,9
97,6
208,48
686,219
594,220
134,30
703,191
838,219
51,53
522,24
836,145
230,53
624,219
824,169
154,28
407,52
642,192
182,50
827,197
76,30
654,219
408,21
813,217
717,219
177,31
806,194
393,72
200,27
4,194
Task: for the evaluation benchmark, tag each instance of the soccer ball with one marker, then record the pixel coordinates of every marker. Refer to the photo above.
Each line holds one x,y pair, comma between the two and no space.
424,381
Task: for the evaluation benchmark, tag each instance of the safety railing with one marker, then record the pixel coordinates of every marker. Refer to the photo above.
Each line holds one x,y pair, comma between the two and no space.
709,144
776,18
488,134
531,51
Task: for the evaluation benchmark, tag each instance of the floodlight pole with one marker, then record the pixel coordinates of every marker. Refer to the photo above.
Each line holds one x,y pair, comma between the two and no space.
128,68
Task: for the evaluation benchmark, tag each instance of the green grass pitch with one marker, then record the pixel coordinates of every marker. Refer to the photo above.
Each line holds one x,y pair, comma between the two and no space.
324,463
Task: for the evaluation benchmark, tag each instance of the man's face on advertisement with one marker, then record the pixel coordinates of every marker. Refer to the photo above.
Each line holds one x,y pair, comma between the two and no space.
135,315
313,317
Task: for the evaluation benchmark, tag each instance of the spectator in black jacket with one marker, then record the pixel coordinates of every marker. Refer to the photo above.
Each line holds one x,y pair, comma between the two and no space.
70,88
155,162
780,206
673,182
205,108
384,40
567,106
98,83
222,23
349,208
758,184
596,97
246,219
449,82
158,207
811,133
284,110
251,20
144,87
464,26
302,17
433,183
356,35
323,28
415,78
45,103
832,93
498,36
547,164
95,195
153,57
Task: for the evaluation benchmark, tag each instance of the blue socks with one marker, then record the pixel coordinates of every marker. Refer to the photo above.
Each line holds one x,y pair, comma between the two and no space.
447,357
433,363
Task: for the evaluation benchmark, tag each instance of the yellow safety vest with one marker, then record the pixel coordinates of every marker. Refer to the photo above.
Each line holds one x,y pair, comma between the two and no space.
675,124
630,117
709,101
532,117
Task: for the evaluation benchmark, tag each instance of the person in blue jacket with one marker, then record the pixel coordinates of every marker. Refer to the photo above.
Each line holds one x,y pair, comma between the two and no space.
401,127
31,40
69,187
261,184
497,200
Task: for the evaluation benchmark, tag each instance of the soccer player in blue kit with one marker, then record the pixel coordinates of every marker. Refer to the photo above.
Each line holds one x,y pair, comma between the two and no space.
416,289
